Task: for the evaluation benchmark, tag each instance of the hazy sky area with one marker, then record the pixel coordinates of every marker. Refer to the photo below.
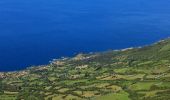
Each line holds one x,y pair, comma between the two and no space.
32,32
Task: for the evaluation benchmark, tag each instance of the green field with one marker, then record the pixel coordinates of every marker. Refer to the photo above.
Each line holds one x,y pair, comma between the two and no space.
115,96
132,74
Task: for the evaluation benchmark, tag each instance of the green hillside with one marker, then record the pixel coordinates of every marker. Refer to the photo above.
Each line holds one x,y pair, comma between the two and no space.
128,74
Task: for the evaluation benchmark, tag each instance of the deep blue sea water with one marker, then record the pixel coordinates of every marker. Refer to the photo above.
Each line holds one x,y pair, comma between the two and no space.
33,32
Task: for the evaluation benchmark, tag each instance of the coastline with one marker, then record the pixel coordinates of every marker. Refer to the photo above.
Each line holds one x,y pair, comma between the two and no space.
90,53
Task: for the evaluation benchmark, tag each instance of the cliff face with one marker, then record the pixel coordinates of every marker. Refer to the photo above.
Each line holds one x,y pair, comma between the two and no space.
129,74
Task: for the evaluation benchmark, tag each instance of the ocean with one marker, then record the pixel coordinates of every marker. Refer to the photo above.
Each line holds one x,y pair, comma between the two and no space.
33,32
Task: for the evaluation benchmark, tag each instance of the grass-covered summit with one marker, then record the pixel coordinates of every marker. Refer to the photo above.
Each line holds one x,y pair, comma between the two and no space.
128,74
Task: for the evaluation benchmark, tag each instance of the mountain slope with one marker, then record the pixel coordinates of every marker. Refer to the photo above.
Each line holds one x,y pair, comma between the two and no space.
128,74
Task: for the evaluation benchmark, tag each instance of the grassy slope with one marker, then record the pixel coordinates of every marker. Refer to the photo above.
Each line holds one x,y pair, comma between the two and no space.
133,74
